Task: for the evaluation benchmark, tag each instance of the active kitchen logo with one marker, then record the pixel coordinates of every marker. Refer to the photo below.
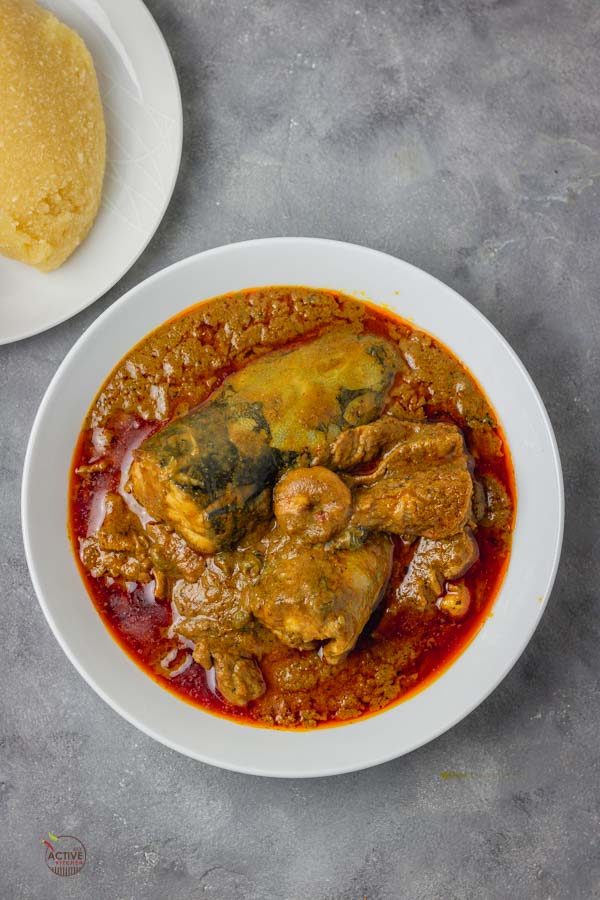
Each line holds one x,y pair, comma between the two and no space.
65,854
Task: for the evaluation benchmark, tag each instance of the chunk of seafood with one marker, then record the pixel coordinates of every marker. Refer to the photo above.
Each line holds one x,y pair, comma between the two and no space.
209,474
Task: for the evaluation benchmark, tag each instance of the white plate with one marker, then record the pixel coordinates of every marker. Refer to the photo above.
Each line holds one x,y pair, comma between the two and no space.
414,295
142,106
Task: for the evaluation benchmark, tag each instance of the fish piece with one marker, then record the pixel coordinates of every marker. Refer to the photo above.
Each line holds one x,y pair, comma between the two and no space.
208,475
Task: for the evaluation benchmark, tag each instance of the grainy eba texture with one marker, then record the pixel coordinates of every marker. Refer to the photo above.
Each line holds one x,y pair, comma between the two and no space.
461,135
52,137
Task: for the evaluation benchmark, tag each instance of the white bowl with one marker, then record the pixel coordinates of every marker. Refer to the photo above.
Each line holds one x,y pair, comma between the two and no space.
412,294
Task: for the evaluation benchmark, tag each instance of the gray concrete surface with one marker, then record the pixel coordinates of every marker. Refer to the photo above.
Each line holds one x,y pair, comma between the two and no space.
461,135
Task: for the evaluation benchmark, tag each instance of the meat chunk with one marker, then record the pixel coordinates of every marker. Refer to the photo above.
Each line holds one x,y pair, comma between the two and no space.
171,555
208,475
497,506
434,563
433,503
415,442
239,678
283,589
215,603
213,612
422,485
278,587
119,548
306,594
234,656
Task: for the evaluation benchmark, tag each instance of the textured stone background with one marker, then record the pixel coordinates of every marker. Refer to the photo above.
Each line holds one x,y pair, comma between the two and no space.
461,135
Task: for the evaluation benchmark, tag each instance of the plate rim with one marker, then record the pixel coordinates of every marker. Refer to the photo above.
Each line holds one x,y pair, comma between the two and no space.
391,753
178,119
